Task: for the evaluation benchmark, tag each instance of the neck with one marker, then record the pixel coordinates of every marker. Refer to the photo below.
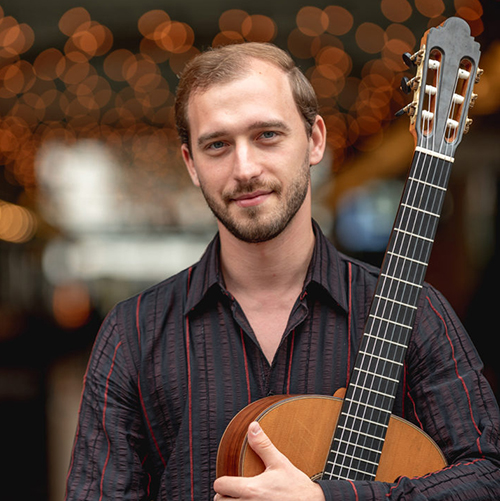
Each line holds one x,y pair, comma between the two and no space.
277,265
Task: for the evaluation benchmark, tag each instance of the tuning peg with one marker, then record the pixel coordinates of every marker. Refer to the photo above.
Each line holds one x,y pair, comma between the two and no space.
467,125
405,87
479,72
409,109
408,60
412,60
473,99
408,85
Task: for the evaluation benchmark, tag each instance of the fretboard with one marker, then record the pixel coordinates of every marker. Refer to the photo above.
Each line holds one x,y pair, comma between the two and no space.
362,424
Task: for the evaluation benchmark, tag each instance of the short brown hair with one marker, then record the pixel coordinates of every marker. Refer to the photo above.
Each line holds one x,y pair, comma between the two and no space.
227,63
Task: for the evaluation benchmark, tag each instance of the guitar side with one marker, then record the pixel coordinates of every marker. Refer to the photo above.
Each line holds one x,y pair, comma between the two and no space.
302,427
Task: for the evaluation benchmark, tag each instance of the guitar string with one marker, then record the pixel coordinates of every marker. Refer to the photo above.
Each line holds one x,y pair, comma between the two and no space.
427,173
379,334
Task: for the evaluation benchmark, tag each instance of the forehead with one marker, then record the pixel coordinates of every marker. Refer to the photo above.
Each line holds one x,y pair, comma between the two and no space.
263,92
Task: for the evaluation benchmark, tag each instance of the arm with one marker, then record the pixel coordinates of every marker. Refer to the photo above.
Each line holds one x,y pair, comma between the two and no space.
106,462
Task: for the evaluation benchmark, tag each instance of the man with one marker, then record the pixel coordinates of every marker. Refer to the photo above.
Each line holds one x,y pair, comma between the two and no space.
271,308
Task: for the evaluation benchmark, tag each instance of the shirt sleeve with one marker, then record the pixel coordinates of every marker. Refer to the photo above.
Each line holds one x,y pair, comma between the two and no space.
106,461
449,398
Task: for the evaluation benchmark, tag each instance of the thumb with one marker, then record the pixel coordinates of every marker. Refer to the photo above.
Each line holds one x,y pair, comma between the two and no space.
262,445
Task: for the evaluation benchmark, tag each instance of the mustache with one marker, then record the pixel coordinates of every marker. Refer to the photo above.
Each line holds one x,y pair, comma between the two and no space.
250,187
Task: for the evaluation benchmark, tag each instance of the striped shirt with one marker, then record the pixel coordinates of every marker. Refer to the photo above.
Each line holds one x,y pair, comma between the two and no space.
171,367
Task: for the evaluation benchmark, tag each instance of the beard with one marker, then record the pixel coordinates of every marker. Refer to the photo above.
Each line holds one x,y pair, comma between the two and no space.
258,224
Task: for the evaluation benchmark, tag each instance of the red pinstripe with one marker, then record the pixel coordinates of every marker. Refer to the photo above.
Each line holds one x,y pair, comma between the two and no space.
104,417
354,489
290,363
77,434
143,405
150,428
456,369
450,467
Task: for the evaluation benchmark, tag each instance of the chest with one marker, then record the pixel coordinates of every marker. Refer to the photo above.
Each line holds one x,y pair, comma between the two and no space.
268,323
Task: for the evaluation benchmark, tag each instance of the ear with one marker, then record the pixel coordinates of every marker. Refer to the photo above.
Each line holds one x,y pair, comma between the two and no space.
188,161
317,141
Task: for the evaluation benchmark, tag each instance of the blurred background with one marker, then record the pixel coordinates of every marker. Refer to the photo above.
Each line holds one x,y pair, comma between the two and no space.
95,203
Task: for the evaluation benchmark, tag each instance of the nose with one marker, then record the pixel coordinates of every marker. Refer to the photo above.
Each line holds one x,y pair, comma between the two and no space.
246,164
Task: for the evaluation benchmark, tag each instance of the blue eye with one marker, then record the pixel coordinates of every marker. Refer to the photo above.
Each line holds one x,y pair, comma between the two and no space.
268,134
217,145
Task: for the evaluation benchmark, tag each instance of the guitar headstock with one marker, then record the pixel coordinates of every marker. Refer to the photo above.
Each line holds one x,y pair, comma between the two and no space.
447,69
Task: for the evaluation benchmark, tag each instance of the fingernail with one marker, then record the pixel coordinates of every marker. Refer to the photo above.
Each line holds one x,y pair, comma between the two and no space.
255,428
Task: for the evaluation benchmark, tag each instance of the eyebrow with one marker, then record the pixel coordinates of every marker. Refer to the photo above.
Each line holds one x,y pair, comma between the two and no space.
261,124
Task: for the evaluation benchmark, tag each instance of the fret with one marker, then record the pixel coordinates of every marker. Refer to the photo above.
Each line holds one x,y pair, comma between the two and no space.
346,444
340,477
406,258
378,357
402,345
419,250
411,234
359,432
392,322
370,421
401,280
371,390
429,213
432,185
355,458
381,376
374,407
406,305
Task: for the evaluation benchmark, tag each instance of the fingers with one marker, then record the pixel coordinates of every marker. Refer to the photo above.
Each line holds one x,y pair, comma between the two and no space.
262,445
230,487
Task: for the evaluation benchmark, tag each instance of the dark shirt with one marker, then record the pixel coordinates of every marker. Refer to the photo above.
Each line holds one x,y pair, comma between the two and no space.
172,366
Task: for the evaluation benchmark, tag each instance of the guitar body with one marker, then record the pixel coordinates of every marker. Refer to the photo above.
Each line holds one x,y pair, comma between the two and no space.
302,427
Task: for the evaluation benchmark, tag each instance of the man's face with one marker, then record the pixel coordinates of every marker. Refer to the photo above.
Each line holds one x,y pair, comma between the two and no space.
251,154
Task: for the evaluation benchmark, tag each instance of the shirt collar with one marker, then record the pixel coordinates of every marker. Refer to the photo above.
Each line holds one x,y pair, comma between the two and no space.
327,269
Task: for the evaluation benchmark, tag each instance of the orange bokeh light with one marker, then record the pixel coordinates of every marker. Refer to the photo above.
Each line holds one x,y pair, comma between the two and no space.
149,21
370,38
227,38
340,20
232,20
258,28
312,21
396,11
71,305
430,8
115,62
72,19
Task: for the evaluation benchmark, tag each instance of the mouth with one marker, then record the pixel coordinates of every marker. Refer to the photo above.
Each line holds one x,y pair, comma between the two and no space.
252,199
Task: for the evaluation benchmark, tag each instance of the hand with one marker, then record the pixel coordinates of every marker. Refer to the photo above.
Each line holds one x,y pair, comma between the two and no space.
280,480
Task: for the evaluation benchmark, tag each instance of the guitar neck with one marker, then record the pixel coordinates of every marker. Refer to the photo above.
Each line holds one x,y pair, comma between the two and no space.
363,421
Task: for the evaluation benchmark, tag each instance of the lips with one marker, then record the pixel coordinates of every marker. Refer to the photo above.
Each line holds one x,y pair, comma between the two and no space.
252,199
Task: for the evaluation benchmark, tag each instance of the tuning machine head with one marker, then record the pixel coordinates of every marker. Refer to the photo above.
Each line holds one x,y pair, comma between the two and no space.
409,109
413,60
408,85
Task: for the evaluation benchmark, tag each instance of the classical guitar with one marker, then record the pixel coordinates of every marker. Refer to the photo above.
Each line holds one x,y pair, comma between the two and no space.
355,436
